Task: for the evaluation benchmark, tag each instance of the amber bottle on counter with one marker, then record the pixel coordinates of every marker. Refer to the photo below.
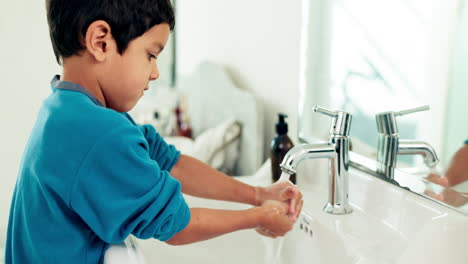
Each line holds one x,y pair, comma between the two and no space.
183,128
280,145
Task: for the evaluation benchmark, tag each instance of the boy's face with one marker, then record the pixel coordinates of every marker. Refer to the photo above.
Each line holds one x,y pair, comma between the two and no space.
126,76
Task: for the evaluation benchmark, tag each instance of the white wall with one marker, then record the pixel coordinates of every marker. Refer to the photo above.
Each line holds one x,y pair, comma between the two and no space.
257,41
27,65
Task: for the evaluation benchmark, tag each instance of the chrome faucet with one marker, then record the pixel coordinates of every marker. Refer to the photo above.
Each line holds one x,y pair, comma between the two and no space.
390,145
337,151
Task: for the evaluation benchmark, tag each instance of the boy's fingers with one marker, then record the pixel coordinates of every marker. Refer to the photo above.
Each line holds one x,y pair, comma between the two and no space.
443,181
290,192
300,203
292,206
284,193
299,208
294,198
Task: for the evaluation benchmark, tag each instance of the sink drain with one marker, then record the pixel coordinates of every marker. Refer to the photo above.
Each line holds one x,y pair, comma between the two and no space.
304,225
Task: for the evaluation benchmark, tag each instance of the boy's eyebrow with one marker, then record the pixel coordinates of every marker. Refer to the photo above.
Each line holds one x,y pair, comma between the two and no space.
159,46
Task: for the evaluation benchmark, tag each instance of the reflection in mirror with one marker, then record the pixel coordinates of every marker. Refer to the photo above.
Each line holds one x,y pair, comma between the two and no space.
379,64
393,55
454,179
430,185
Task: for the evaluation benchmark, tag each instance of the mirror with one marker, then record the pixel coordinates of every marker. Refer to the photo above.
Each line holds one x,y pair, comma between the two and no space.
367,57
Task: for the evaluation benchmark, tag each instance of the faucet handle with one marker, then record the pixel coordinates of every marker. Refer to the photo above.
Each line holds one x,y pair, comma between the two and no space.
325,111
386,121
341,122
413,110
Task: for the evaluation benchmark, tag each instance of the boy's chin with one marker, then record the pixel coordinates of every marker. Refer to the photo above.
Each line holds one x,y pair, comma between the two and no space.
124,108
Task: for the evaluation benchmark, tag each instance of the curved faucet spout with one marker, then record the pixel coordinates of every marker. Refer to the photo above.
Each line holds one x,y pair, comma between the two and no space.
306,151
336,151
411,147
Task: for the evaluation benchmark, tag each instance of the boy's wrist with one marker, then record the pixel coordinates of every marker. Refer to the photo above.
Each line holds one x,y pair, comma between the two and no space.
259,196
258,214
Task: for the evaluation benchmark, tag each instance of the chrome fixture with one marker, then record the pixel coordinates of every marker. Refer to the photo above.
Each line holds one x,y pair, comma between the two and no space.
390,145
337,151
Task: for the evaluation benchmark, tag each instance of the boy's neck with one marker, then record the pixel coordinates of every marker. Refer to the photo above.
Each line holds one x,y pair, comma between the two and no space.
75,71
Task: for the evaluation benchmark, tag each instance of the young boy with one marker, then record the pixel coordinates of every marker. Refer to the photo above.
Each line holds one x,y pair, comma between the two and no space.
90,176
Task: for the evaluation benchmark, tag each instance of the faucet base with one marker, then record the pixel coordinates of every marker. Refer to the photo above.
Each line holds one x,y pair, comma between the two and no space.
337,209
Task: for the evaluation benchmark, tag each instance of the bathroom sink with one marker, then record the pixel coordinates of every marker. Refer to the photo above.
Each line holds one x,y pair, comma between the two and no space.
388,225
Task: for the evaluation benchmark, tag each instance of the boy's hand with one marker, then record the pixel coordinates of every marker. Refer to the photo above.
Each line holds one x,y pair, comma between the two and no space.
437,179
274,221
283,191
449,196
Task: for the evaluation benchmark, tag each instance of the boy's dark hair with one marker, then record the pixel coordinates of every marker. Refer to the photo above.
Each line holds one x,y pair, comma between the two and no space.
69,20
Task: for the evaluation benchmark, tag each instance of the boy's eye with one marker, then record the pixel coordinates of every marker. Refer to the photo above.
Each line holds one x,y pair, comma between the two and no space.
151,56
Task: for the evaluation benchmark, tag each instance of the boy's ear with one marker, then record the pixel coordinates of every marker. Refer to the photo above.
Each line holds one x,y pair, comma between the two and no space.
98,39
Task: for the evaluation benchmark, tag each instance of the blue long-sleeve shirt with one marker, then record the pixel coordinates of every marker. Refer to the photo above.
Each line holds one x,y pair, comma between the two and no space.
89,177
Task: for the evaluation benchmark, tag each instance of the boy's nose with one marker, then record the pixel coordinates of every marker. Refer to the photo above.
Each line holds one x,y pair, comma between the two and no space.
154,73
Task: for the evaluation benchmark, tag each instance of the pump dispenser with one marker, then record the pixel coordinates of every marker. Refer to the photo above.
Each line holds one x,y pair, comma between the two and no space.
280,145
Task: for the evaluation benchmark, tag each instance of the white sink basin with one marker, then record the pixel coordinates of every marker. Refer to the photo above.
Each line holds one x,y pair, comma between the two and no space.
388,225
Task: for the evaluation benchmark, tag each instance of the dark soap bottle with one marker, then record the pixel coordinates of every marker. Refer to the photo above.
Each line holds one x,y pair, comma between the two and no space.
280,145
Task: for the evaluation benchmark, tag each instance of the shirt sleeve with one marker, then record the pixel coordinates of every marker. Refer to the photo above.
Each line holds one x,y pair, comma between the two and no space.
164,154
121,190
